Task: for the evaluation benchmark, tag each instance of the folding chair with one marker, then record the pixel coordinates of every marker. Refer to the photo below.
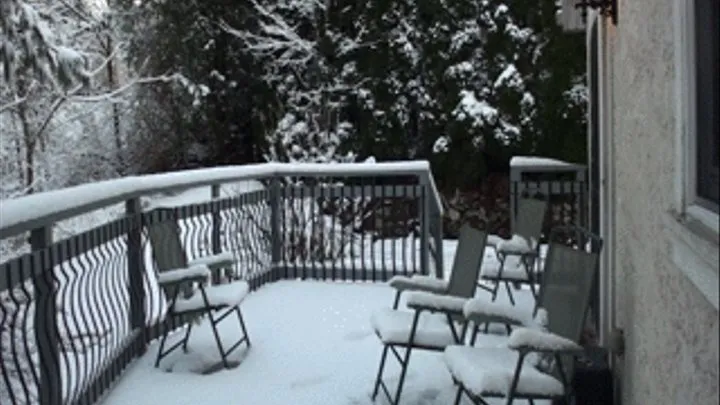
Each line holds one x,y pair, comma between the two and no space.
512,315
408,329
523,246
536,362
186,288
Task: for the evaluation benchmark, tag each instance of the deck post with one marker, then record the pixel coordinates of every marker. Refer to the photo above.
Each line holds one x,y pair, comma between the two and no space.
424,181
45,317
136,268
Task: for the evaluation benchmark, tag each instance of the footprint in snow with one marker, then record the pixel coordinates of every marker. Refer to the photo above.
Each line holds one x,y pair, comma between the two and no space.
357,335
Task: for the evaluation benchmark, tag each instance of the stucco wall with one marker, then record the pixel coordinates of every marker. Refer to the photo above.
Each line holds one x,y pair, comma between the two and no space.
671,330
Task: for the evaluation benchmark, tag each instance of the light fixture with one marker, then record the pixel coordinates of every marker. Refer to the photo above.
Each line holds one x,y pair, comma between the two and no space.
607,8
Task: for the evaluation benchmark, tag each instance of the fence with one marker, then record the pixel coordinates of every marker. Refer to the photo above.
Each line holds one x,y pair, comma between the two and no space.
567,201
562,184
76,312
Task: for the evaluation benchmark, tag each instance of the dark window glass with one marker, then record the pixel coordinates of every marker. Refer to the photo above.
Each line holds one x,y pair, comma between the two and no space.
707,34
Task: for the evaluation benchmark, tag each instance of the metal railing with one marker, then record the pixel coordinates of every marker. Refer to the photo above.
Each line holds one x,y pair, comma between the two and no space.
75,313
567,201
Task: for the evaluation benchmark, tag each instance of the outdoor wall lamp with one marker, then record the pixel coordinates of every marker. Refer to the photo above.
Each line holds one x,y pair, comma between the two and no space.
607,8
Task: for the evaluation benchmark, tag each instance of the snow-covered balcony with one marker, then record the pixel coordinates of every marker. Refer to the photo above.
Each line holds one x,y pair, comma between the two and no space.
78,283
81,307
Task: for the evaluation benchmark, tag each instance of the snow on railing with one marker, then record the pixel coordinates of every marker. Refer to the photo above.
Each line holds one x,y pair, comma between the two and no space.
29,212
98,287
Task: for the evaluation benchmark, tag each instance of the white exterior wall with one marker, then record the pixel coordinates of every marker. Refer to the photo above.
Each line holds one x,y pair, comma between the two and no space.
657,290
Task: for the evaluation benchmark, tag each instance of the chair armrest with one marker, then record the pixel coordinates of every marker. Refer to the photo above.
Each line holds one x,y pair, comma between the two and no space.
421,300
481,310
418,283
517,246
219,260
198,273
537,340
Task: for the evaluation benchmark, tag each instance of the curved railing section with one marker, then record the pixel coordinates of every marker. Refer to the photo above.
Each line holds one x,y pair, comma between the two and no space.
74,312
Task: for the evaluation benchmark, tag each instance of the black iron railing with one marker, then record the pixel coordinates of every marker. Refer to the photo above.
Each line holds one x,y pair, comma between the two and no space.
75,313
567,201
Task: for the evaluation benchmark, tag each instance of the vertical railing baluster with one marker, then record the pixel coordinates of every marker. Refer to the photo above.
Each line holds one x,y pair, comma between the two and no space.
332,202
302,232
384,210
374,214
216,220
216,230
136,270
45,318
352,235
275,242
361,224
396,224
424,223
439,258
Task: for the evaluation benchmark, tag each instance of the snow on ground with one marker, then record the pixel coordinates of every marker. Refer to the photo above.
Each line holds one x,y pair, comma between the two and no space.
312,340
312,345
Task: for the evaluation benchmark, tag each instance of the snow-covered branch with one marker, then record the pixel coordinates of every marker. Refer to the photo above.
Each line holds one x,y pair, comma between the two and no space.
109,96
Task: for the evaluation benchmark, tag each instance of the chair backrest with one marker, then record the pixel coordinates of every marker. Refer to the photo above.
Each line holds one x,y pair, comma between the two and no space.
168,252
568,280
530,218
567,285
167,249
467,262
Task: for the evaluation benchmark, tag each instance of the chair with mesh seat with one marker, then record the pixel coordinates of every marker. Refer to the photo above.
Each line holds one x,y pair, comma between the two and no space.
188,290
536,360
523,247
415,329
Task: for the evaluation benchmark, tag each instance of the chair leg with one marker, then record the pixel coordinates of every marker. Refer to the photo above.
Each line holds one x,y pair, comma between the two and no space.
396,302
498,279
213,325
242,326
510,294
476,330
378,380
494,292
458,396
403,373
160,354
186,338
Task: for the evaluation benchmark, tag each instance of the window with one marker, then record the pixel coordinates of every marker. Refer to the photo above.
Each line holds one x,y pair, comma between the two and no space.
693,224
707,102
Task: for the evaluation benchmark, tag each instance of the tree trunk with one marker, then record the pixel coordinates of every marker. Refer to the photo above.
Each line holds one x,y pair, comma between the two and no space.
28,141
112,83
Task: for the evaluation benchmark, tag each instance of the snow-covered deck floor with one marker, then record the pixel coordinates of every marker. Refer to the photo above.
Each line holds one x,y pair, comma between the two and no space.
312,345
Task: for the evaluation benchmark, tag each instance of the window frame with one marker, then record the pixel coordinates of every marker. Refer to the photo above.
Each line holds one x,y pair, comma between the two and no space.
687,200
706,107
693,225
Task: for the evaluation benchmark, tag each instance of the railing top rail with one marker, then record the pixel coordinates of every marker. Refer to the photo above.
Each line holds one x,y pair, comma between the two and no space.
37,210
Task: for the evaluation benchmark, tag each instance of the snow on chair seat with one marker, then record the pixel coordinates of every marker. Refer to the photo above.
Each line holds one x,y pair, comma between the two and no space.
490,371
512,272
517,245
394,327
418,282
220,296
494,240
